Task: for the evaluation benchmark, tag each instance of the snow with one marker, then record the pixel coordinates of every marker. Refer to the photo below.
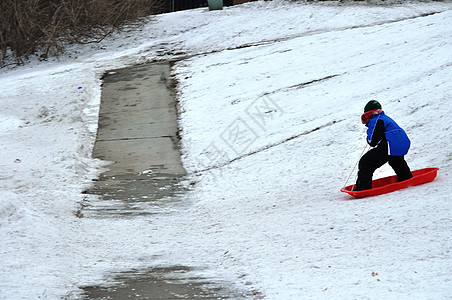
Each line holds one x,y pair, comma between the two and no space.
271,95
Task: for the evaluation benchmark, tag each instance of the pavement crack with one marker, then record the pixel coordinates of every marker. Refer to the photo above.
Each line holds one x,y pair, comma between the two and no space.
136,138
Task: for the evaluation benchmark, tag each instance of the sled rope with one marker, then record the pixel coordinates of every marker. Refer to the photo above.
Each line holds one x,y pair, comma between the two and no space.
362,153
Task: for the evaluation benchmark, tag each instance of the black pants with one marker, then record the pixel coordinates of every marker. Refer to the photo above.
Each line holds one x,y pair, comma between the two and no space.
374,159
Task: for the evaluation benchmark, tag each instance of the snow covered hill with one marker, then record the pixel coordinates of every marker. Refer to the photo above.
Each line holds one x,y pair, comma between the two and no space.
270,96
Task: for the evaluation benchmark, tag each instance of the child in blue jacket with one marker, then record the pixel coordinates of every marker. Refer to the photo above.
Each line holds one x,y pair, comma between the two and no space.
390,143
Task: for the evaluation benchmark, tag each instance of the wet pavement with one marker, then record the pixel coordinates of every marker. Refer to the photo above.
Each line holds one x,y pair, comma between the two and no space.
138,133
162,283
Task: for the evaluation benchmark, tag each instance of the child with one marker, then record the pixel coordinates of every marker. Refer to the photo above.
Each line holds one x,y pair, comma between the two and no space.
391,144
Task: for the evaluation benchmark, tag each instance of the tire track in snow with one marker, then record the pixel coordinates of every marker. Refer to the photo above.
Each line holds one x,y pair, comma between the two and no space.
264,148
321,31
177,58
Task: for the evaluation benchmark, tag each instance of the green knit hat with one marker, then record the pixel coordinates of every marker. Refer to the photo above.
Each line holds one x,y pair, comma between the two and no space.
371,105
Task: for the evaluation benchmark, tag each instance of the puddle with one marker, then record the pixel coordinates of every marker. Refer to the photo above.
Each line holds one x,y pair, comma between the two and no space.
175,282
128,196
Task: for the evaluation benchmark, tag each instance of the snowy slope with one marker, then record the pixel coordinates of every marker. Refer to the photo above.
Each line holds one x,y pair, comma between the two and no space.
270,126
292,225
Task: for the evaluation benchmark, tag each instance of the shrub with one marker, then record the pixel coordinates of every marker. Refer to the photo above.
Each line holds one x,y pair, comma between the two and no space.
42,26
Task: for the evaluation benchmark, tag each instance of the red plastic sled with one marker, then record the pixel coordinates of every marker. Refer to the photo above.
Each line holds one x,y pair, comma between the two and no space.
390,184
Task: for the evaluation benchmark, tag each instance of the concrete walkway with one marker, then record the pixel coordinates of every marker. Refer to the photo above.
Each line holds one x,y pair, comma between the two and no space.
138,133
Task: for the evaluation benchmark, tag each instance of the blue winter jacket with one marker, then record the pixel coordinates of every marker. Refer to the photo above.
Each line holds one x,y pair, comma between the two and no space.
398,140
